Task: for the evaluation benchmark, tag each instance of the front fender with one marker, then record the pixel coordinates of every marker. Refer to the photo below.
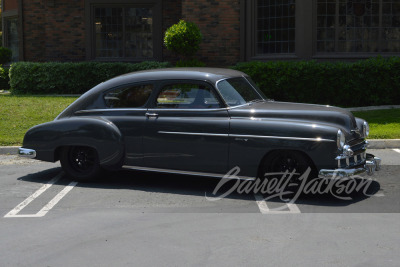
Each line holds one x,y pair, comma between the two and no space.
97,133
252,139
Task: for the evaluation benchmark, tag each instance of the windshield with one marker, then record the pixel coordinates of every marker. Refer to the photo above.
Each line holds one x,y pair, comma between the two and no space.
239,91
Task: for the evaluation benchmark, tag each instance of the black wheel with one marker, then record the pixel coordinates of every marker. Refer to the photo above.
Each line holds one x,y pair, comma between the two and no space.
282,161
80,163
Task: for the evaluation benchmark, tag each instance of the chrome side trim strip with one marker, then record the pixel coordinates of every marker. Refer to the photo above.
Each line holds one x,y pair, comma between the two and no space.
251,136
188,133
213,175
283,137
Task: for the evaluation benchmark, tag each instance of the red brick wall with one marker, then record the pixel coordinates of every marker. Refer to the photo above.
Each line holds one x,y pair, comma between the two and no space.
9,5
54,30
219,22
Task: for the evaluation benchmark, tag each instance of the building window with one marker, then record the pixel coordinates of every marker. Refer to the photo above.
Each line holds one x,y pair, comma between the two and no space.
276,26
11,36
356,26
128,31
123,32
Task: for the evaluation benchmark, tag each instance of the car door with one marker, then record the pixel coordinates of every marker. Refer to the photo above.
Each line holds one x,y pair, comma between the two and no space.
187,129
126,109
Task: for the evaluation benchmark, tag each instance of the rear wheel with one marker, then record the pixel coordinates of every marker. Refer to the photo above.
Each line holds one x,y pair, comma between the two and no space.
80,163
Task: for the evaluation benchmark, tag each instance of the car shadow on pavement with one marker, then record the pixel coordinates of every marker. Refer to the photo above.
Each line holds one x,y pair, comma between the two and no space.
42,176
201,186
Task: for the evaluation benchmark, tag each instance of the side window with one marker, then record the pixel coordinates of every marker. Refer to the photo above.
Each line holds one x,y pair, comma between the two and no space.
187,96
134,96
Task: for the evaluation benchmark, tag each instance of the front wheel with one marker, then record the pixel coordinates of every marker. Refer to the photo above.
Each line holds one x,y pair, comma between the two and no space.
280,162
80,163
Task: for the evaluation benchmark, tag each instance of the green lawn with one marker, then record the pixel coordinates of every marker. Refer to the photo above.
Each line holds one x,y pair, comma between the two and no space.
19,113
383,124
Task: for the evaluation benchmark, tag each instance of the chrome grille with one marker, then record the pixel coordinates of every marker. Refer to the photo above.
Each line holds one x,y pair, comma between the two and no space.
358,158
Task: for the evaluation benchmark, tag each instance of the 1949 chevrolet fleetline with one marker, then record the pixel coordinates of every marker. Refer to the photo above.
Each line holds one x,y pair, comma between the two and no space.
200,121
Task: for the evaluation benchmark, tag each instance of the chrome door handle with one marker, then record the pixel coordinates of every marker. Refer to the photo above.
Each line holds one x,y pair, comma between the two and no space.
149,115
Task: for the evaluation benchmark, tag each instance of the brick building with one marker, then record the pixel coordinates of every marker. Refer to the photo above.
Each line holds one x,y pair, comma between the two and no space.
233,30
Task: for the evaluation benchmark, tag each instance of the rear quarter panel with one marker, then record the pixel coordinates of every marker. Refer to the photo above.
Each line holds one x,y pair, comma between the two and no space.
97,133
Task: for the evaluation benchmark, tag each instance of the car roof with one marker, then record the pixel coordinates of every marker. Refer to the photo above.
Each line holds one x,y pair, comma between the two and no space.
204,74
207,74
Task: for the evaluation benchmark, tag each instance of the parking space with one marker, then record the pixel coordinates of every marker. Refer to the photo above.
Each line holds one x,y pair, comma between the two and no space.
32,189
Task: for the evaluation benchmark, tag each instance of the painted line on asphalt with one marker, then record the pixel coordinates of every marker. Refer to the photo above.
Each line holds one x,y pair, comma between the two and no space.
14,212
264,209
397,150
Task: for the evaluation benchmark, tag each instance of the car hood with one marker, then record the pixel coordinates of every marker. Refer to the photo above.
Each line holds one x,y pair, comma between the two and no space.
294,111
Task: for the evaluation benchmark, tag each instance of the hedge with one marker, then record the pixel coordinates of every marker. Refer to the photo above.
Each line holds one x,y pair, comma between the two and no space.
69,78
4,78
374,81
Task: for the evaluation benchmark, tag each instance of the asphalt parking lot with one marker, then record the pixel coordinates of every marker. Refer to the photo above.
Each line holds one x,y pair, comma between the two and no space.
142,218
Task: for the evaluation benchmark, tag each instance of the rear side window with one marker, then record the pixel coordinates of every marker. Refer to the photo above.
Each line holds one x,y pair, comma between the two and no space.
134,96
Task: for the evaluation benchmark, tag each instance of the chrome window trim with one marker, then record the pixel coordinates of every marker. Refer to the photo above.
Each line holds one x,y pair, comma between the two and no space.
150,109
251,136
213,175
109,109
188,109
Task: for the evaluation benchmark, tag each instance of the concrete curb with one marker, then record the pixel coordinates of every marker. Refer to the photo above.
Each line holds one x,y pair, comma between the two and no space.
384,143
9,150
373,144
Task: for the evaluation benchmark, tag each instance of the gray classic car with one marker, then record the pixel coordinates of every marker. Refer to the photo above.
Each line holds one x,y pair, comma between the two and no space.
198,121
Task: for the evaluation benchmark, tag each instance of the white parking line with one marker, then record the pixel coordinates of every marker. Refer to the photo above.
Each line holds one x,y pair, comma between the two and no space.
397,150
14,212
264,209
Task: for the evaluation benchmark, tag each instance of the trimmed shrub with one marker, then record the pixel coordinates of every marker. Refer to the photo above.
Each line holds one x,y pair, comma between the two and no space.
183,38
4,79
69,78
5,55
375,81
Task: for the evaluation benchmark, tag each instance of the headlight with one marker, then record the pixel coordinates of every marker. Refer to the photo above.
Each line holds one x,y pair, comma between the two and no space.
365,129
341,139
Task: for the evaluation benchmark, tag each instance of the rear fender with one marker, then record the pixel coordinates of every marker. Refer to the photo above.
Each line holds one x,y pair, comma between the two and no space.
97,133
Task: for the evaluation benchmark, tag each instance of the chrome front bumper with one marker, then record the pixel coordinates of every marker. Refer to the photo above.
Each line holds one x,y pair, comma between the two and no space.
371,165
26,153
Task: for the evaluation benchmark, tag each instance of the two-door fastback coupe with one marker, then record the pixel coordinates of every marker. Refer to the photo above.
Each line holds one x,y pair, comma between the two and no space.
200,121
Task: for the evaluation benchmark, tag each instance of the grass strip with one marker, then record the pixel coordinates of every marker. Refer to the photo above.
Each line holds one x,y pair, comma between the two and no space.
383,124
19,113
